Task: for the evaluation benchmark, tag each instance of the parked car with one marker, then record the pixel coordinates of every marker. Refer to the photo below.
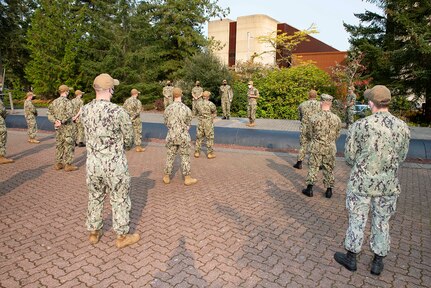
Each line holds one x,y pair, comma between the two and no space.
362,110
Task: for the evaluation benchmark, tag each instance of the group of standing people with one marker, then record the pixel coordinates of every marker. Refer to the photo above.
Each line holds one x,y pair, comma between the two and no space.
375,147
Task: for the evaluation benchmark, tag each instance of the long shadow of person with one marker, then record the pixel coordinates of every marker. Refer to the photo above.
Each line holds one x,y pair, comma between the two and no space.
139,194
31,151
20,178
182,265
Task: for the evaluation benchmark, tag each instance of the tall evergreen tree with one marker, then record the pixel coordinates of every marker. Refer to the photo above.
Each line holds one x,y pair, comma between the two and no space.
397,46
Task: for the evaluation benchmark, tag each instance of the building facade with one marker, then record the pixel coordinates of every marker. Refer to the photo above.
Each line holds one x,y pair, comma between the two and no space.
240,43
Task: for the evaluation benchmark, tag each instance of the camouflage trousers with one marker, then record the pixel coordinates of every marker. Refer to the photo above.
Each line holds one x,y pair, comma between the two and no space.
167,101
31,127
251,112
327,161
304,141
64,144
350,116
3,137
137,129
205,129
225,106
184,151
118,188
382,208
79,132
194,102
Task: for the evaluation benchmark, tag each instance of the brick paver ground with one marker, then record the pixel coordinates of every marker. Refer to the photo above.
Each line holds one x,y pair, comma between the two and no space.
245,224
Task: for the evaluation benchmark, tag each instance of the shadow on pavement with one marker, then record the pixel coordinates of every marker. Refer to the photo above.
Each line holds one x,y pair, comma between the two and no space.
20,178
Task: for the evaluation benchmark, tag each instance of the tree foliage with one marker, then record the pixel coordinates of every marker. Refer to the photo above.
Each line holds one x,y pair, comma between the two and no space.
397,46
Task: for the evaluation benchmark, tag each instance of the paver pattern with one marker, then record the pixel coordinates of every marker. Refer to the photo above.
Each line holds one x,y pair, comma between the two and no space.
244,224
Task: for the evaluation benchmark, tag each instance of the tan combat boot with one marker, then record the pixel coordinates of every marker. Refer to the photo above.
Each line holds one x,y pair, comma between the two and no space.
126,240
197,154
95,236
166,179
211,155
4,160
58,166
252,124
69,168
188,180
139,149
248,124
33,141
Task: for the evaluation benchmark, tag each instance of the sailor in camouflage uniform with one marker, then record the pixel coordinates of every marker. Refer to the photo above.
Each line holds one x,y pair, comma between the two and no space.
306,110
226,99
206,112
177,119
350,106
30,117
77,104
109,131
252,94
324,128
196,96
375,148
133,106
3,135
167,94
60,112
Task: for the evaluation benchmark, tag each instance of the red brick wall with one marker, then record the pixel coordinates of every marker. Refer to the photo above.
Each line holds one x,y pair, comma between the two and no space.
323,60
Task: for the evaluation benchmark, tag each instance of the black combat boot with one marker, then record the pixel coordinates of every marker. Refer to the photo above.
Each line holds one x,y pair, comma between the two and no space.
223,118
328,193
298,165
377,265
308,191
348,260
227,118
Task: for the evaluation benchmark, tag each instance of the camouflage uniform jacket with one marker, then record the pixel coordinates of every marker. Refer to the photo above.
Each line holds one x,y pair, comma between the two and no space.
375,147
3,112
226,92
324,130
29,110
197,92
252,92
60,109
167,92
133,106
206,110
177,118
307,109
77,103
109,131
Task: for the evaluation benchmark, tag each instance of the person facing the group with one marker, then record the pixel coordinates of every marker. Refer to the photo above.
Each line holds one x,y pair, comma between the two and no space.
350,106
252,94
306,110
60,112
226,94
375,147
324,128
77,104
167,94
178,118
206,111
196,95
30,113
133,106
109,132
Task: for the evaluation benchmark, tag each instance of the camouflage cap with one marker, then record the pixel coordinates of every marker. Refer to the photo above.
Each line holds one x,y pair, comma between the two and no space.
29,94
177,92
198,82
104,81
379,94
326,97
351,88
63,88
206,94
135,91
79,92
224,81
250,82
168,82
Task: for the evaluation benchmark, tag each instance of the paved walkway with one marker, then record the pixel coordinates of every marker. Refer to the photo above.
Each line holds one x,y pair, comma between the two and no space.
244,224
